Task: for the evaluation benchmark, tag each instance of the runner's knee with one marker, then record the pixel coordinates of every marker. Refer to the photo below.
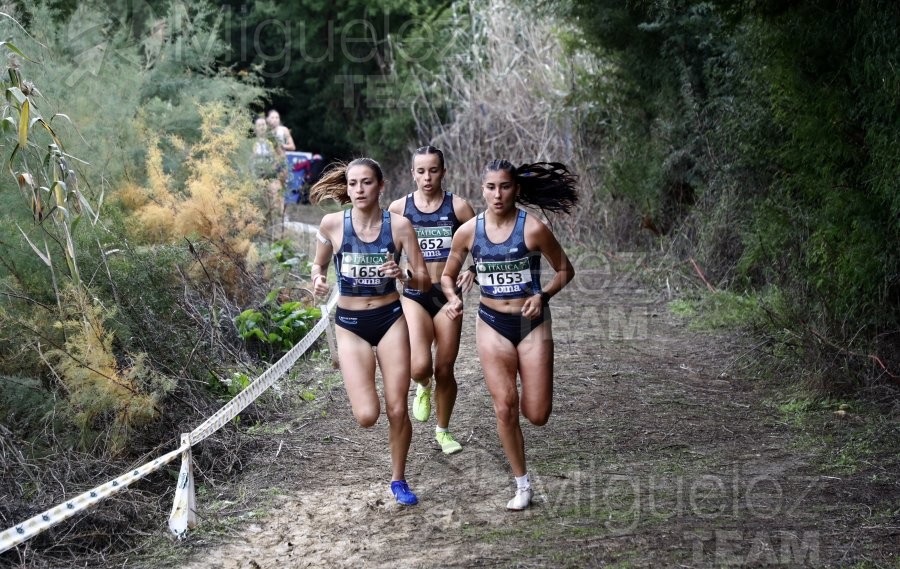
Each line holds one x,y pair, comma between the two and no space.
537,417
443,372
366,417
420,365
507,411
397,411
420,372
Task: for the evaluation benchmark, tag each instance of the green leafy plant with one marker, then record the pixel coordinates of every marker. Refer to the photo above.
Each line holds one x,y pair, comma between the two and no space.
285,269
230,386
280,325
286,261
283,253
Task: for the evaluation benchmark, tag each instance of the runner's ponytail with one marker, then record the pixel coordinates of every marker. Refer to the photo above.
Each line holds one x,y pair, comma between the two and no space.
548,186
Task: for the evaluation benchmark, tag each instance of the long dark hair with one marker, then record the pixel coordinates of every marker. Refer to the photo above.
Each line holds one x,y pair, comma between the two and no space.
333,183
428,149
548,186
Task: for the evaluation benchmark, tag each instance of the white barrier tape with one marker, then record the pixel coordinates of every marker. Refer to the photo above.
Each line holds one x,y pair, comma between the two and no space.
231,409
43,521
183,510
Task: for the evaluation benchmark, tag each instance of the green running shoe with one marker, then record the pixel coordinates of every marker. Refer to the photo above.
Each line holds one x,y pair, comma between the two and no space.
448,443
422,403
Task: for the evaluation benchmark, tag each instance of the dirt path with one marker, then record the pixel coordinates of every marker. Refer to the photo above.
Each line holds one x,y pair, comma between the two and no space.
658,454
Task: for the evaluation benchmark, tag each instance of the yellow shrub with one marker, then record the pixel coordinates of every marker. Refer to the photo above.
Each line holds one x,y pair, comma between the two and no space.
104,395
131,197
213,204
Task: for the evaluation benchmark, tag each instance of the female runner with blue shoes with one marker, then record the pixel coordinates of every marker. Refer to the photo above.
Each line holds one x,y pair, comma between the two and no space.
512,333
366,243
436,215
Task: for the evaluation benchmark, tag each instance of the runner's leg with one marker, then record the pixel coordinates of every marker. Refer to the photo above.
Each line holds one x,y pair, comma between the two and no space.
421,336
536,374
447,333
393,360
358,370
500,363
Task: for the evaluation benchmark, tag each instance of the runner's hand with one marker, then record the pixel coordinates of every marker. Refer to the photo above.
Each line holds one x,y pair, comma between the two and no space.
454,308
391,269
533,307
320,285
465,281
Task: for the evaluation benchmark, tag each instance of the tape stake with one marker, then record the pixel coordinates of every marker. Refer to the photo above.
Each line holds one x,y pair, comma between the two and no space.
184,507
332,341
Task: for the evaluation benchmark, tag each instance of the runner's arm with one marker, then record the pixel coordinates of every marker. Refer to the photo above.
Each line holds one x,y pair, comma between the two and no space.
405,237
396,206
459,249
464,212
288,140
538,237
324,250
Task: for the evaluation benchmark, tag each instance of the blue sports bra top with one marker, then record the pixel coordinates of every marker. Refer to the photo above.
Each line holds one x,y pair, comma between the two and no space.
434,230
357,261
508,269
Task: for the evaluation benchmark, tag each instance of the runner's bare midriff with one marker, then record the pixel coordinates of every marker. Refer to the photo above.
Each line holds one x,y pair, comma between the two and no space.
366,302
505,305
435,270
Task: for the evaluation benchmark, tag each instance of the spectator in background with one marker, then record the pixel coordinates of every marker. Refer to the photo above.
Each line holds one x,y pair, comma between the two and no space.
281,133
263,149
267,166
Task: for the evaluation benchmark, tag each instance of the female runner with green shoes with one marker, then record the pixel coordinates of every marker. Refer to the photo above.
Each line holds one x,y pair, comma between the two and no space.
366,243
512,333
435,215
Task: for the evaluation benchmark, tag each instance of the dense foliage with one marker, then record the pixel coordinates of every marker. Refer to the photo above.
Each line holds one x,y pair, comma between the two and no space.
335,66
128,234
762,139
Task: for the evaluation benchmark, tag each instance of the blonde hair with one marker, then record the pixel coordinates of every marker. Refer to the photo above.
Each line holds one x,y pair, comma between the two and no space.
333,183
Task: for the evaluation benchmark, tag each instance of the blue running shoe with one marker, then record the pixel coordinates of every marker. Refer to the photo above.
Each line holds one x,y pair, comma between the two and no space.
403,494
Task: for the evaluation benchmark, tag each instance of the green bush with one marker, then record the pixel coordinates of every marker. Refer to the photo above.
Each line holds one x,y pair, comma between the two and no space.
279,325
83,80
727,310
761,140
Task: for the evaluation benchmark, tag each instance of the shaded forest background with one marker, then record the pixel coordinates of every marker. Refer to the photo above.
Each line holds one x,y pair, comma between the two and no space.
750,144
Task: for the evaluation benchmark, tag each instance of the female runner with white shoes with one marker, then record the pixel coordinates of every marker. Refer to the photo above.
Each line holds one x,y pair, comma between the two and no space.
435,215
366,242
512,333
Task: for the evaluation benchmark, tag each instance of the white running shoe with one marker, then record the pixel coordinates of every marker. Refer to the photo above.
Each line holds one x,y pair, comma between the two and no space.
521,500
